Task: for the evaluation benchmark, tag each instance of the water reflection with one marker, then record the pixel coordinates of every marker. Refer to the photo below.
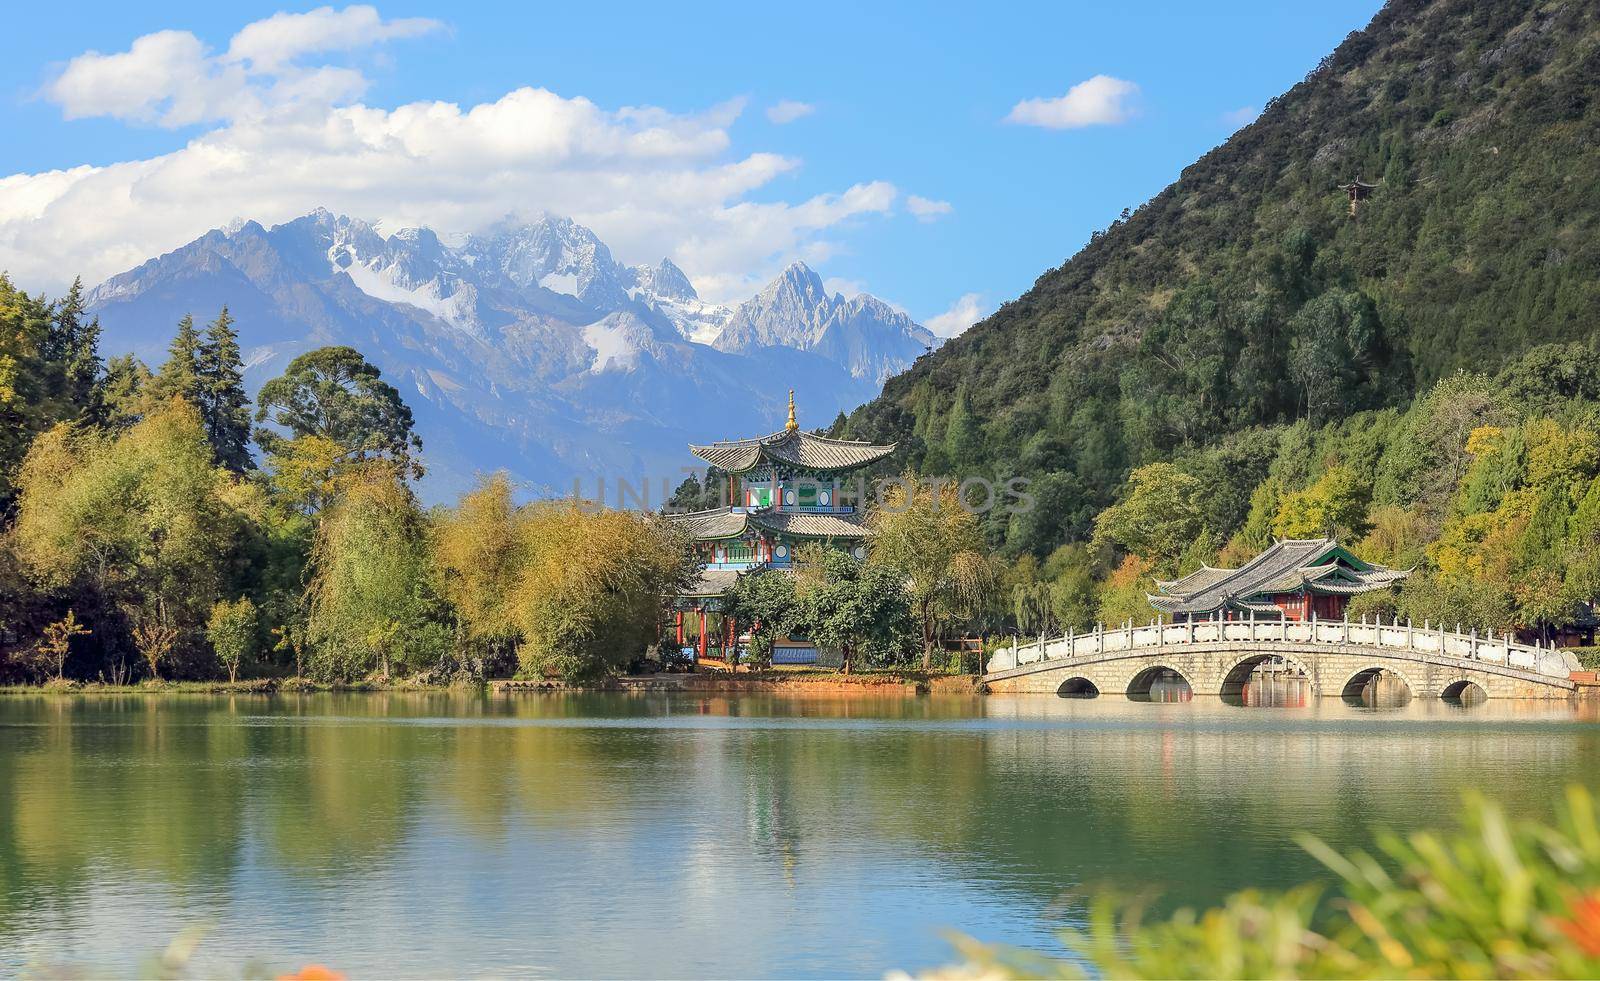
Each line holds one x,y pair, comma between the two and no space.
1159,685
1376,688
745,835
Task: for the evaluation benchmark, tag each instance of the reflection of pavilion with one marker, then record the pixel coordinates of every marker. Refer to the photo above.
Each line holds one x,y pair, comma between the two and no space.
784,490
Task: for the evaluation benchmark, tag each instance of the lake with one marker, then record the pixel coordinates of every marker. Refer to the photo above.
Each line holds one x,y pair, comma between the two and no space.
683,835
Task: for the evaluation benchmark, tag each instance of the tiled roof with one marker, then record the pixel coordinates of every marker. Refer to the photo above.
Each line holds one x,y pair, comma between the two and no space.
1286,566
713,582
722,523
1196,580
796,448
713,524
811,525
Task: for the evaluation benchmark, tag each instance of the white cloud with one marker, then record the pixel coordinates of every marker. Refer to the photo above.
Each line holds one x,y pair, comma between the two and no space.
1101,100
788,111
927,209
962,314
846,287
1242,116
649,181
170,78
281,38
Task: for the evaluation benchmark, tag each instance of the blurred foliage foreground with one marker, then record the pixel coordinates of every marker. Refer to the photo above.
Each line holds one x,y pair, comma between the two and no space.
1497,899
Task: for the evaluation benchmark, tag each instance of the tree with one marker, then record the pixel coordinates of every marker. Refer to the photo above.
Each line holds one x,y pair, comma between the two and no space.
57,642
139,527
73,348
1062,511
154,636
1126,592
179,376
373,600
123,392
935,545
25,410
481,548
764,602
1335,357
852,607
1336,505
231,630
1158,517
963,436
222,399
334,395
591,595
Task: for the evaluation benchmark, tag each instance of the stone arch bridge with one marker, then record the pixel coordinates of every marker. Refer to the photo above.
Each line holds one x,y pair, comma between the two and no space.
1336,657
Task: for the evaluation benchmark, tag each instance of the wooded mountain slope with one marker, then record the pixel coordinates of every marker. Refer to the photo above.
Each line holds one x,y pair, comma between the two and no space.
1245,294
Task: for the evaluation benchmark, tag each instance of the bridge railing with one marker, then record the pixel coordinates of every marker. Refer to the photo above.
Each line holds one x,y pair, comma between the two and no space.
1426,639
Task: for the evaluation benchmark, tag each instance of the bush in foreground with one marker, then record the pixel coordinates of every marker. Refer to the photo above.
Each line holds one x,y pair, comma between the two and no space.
1496,899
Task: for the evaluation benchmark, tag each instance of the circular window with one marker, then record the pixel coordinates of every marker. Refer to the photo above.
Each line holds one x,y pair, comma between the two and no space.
788,497
860,551
782,551
824,498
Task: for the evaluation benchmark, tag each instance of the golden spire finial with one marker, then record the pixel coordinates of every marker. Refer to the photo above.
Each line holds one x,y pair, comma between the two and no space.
791,425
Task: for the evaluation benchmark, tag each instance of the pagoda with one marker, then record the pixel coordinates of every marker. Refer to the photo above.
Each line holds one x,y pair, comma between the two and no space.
784,490
1294,579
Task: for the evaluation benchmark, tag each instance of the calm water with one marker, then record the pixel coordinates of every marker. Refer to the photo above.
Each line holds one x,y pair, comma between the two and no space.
604,835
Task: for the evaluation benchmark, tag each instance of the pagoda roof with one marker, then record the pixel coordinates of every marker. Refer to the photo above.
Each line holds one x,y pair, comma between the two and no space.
712,582
1358,183
792,447
1318,565
726,523
810,524
712,525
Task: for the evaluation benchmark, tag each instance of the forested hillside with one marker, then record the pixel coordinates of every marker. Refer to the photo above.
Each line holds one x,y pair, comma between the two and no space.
1245,297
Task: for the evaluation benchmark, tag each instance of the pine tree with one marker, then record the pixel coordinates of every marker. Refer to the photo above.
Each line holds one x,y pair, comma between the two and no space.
180,375
963,438
123,392
223,403
76,347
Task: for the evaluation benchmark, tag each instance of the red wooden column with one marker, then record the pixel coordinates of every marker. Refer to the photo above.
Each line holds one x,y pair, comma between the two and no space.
680,629
702,631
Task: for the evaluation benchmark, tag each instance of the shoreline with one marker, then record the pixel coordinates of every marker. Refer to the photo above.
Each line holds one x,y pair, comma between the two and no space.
793,683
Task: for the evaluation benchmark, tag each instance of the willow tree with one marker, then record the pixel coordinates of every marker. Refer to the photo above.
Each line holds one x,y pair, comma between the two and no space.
935,545
481,547
373,601
590,595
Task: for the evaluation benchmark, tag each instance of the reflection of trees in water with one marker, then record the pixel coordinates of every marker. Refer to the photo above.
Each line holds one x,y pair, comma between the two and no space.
137,784
1028,796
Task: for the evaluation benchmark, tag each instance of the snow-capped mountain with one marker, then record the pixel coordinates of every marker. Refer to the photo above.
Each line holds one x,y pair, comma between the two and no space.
526,346
868,337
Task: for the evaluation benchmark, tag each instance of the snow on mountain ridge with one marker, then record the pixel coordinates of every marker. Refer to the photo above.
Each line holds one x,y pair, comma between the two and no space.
527,346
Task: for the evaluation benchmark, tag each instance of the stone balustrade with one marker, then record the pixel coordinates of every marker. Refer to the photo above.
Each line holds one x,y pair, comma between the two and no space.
1376,636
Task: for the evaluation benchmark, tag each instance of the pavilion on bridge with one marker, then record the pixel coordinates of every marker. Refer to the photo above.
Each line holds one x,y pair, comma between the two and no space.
784,490
1294,579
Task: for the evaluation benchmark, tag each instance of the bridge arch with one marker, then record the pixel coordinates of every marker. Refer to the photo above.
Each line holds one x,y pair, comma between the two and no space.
1354,684
1235,677
1078,687
1464,691
1143,680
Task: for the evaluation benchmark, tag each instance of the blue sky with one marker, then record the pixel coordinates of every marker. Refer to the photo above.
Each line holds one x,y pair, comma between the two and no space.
903,101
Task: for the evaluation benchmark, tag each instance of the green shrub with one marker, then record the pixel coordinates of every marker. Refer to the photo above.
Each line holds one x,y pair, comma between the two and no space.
1496,899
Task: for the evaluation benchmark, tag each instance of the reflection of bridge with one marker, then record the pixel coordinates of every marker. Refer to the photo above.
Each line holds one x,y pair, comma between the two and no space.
1336,657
